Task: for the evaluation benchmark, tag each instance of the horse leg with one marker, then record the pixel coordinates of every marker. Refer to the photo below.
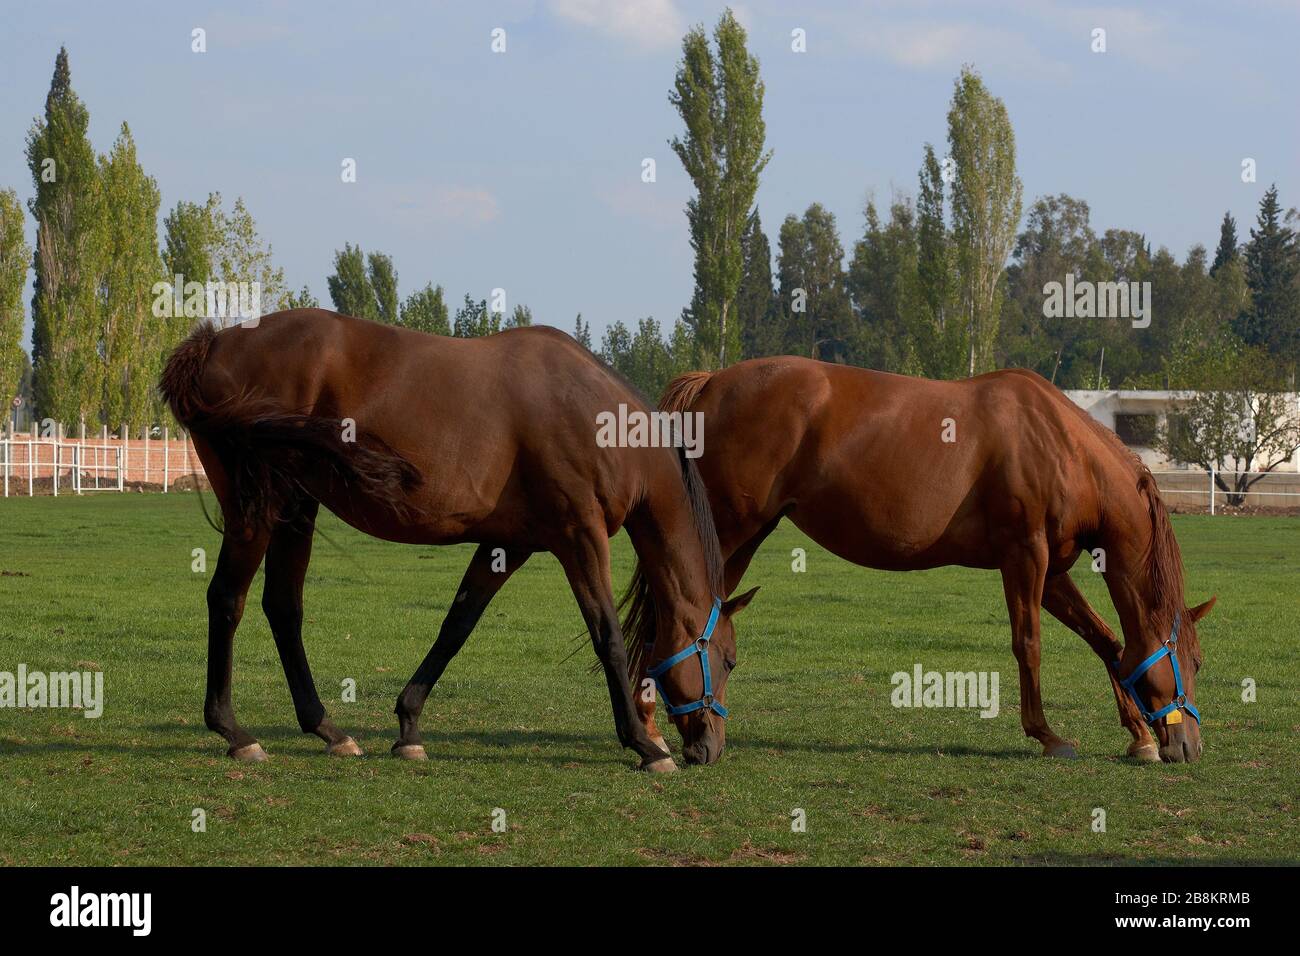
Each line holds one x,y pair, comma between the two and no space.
236,565
1022,582
587,568
287,557
488,571
1064,601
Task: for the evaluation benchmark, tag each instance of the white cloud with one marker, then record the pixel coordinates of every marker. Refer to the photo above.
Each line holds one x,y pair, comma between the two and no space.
647,24
462,205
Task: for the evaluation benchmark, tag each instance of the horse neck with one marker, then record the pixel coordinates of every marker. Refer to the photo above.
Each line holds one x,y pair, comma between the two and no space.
673,562
1129,540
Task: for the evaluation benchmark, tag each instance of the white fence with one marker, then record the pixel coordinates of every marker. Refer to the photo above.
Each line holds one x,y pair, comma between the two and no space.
1272,488
31,464
85,467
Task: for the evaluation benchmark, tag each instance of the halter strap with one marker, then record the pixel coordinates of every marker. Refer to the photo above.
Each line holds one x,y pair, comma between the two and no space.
700,648
1180,702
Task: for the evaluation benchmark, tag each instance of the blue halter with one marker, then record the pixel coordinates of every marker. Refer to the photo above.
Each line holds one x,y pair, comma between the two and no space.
700,648
1169,650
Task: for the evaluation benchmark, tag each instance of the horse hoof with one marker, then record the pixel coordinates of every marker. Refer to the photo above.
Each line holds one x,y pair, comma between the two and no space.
662,765
249,753
1144,753
1063,750
347,747
410,752
661,744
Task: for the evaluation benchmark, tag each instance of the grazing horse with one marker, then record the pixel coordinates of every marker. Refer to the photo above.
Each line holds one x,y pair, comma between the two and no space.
429,440
1001,471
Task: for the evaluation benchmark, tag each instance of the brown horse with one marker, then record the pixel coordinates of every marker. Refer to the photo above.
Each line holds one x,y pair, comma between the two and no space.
429,440
1000,471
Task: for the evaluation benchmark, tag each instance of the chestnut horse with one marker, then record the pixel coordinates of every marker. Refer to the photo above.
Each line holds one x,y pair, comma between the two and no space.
1000,471
430,440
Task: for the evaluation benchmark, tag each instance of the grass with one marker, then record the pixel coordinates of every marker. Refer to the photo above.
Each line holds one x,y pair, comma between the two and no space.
106,582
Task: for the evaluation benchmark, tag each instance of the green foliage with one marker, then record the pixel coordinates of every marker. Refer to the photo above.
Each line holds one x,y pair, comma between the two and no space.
70,255
986,194
350,287
15,257
1227,250
302,299
425,311
132,338
192,237
520,318
1272,259
242,257
814,300
720,100
582,332
473,319
644,358
383,280
937,331
885,287
758,311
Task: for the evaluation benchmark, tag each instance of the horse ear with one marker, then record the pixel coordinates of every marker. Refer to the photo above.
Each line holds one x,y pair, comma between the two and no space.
738,604
1201,610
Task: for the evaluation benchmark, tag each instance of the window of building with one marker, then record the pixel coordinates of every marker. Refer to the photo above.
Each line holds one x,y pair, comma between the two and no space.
1136,430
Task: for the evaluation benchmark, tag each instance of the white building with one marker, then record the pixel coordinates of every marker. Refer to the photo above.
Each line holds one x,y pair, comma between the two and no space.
1136,416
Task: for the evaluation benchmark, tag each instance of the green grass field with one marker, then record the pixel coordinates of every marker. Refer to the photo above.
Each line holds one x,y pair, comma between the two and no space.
106,582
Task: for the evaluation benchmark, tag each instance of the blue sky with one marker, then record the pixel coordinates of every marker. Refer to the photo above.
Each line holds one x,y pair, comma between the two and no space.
522,170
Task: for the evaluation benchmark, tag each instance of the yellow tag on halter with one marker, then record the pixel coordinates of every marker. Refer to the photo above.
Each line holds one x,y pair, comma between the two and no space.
1174,717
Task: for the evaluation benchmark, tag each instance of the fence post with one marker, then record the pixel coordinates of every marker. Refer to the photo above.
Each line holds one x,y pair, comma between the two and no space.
124,459
146,453
1211,489
167,445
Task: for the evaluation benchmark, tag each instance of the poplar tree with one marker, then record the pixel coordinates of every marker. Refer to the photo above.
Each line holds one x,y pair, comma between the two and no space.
720,99
15,256
131,337
939,332
986,195
69,255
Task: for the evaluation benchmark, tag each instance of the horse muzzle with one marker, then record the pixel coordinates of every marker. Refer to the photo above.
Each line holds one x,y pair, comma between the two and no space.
707,749
1181,742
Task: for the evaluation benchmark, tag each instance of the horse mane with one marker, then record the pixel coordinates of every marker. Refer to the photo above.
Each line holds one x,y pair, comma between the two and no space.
1163,559
637,609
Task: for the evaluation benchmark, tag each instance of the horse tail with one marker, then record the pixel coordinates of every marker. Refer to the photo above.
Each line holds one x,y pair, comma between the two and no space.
1164,561
266,448
639,618
681,392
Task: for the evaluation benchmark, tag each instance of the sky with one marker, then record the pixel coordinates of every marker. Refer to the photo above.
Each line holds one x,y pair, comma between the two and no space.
522,170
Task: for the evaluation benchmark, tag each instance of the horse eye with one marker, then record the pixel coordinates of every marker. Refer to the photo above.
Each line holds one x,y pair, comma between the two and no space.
729,664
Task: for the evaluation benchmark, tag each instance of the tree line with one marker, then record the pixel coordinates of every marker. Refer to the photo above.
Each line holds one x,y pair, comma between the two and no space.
946,283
